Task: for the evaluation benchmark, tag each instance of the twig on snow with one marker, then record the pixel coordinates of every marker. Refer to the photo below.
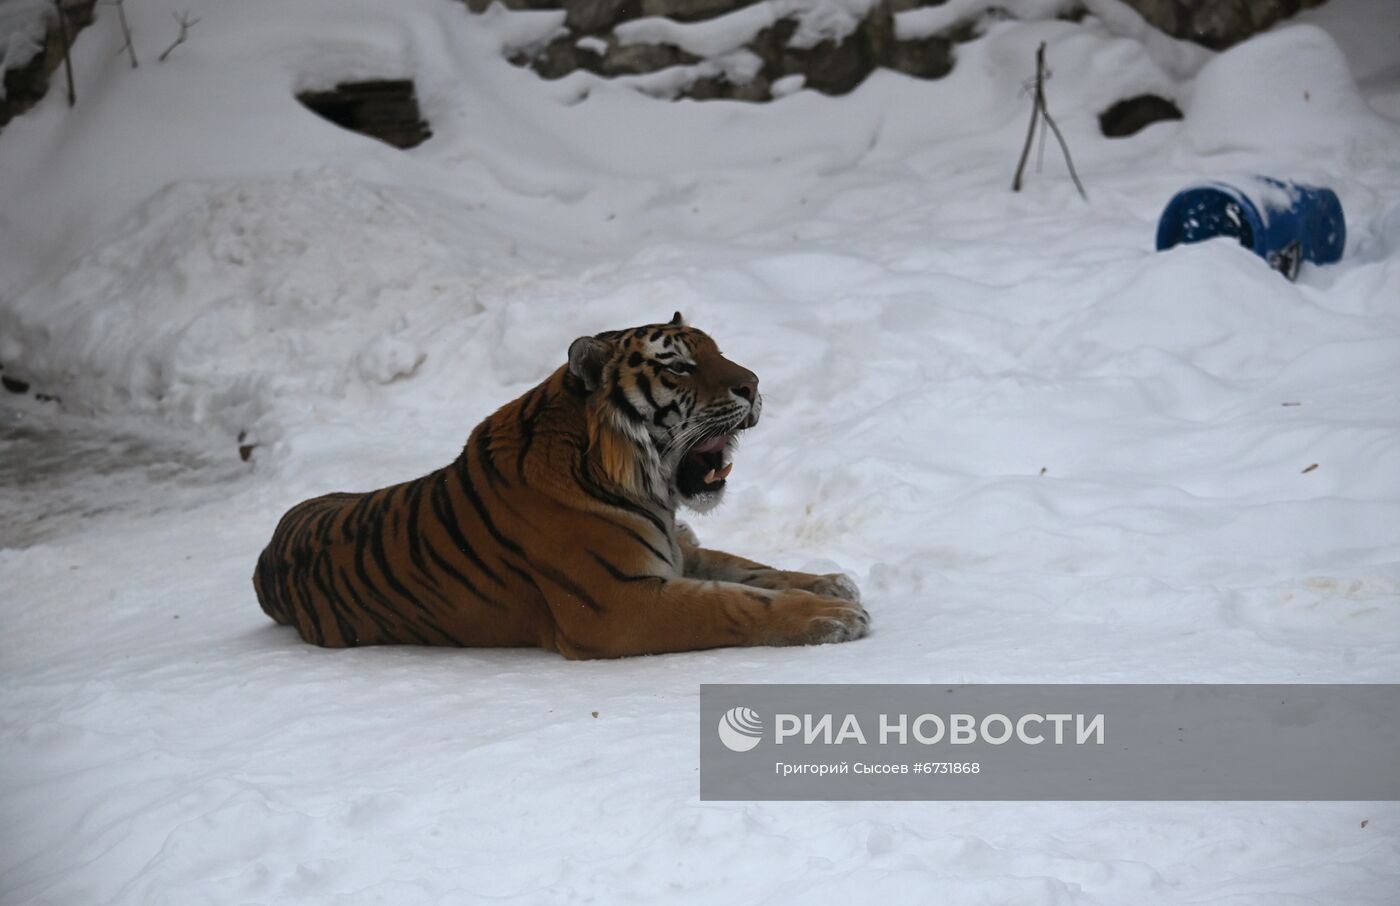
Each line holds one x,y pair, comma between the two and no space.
186,23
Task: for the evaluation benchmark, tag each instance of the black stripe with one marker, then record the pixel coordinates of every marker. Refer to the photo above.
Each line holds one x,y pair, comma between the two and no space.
339,574
494,479
635,536
461,579
465,480
765,600
326,585
618,574
623,404
325,526
353,517
378,596
487,459
510,544
568,585
527,426
415,534
659,419
381,559
644,384
318,635
447,516
601,494
296,583
524,576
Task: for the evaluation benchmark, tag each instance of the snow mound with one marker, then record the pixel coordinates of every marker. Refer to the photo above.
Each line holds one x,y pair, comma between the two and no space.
217,298
1286,92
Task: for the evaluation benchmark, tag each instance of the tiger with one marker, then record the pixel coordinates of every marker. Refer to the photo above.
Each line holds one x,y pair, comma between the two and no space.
556,527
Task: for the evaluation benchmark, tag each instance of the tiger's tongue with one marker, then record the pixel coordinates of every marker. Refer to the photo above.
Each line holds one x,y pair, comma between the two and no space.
713,445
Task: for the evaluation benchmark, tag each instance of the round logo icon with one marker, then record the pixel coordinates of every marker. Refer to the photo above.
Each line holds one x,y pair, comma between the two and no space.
740,729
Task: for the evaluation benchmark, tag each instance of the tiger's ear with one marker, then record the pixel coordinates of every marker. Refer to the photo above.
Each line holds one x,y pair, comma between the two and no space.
587,356
677,320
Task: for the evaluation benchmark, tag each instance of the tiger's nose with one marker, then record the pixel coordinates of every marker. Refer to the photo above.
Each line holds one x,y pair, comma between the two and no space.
748,389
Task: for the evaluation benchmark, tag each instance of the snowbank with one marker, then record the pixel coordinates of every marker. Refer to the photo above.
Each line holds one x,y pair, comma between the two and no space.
1287,93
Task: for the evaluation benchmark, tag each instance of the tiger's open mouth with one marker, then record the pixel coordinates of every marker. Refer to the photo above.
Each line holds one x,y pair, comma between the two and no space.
704,468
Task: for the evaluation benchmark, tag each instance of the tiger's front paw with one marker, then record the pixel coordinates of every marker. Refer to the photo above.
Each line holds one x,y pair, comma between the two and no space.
818,620
837,585
843,624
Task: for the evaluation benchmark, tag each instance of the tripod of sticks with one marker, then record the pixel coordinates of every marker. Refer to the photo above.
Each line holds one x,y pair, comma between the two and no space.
1040,112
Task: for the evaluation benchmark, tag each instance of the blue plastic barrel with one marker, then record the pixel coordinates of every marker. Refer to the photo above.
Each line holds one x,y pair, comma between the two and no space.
1282,222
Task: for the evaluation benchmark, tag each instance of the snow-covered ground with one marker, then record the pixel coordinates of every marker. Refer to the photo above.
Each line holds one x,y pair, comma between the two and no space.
1046,452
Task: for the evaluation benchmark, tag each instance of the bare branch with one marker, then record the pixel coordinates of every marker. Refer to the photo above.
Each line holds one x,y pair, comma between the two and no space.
67,40
1039,111
1026,151
186,23
1065,148
126,30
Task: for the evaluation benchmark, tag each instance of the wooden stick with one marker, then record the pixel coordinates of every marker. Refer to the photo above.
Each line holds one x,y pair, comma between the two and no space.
67,60
1063,147
1030,132
126,30
1039,110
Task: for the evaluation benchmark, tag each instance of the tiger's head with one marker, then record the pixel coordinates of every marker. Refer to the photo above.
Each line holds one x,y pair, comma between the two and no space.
664,410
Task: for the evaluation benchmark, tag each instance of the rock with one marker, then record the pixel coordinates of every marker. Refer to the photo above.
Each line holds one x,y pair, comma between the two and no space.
559,58
1220,24
691,10
635,59
830,67
1163,15
604,57
837,67
930,58
768,45
1129,116
480,6
588,16
26,85
1216,23
756,89
840,63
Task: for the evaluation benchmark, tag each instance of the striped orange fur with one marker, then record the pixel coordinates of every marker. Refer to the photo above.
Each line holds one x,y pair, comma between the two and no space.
556,526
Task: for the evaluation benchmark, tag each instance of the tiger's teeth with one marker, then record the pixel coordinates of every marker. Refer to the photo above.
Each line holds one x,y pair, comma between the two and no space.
712,476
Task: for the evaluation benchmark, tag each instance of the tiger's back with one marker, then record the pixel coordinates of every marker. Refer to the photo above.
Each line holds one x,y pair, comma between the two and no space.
393,566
